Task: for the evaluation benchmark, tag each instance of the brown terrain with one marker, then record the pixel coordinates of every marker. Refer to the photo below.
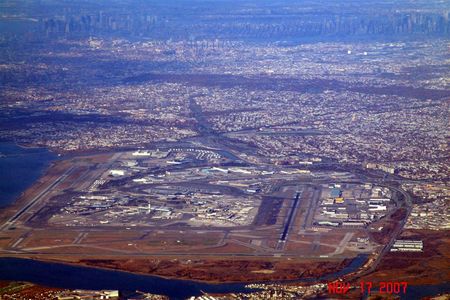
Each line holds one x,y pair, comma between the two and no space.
426,268
222,270
415,268
99,248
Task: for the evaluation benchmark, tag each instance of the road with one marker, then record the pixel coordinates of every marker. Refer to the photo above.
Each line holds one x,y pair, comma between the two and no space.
398,229
260,251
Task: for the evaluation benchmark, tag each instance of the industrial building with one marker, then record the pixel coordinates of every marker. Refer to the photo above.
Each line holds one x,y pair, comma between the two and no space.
407,246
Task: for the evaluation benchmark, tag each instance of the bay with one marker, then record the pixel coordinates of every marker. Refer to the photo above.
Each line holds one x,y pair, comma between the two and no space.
20,167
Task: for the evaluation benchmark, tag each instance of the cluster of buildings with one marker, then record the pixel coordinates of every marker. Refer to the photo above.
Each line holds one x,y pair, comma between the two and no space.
436,169
87,295
23,290
223,211
407,246
352,205
104,295
148,115
384,168
354,138
145,187
366,119
270,291
431,208
75,136
432,215
348,103
428,191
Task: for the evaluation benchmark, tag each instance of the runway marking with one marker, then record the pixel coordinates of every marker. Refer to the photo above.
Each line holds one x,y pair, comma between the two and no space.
292,213
35,200
343,243
80,237
17,242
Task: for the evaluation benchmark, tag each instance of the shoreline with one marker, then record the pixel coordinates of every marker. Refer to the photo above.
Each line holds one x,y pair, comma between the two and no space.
17,197
165,277
195,284
57,166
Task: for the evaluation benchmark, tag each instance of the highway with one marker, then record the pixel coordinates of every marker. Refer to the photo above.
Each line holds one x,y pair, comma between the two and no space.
92,250
394,235
398,228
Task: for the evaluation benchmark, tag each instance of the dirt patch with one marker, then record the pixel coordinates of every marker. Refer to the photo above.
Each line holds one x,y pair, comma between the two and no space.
419,268
268,211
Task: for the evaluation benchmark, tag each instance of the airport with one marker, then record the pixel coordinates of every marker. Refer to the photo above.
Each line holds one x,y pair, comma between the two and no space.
194,201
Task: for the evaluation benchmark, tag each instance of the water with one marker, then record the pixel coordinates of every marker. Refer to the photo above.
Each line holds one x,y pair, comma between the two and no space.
79,277
19,168
416,292
354,265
